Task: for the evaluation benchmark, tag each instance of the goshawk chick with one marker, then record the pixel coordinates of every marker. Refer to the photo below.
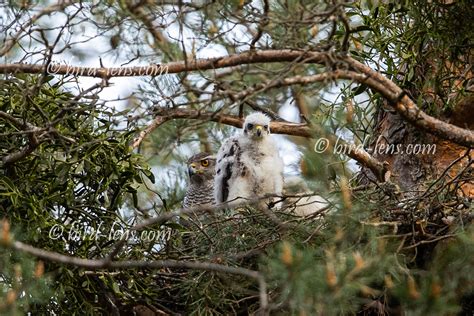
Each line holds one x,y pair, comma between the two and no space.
248,165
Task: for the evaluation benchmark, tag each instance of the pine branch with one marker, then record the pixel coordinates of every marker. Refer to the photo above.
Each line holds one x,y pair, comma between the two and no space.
286,128
357,72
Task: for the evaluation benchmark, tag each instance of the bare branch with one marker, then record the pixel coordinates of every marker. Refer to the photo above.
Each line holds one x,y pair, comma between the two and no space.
249,57
32,136
360,73
261,26
140,12
153,125
59,6
286,128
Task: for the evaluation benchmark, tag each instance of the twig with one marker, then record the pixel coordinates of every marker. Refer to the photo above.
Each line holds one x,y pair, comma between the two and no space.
153,125
140,12
59,6
263,23
182,211
429,241
32,137
108,263
446,170
347,27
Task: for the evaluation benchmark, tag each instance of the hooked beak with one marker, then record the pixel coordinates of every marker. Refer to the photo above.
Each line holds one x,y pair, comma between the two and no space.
259,130
192,169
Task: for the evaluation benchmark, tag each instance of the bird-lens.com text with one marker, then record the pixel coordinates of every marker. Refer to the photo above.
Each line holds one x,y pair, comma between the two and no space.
77,231
381,147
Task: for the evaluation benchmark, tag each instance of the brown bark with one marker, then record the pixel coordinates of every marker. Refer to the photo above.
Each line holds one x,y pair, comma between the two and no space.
414,173
358,72
287,128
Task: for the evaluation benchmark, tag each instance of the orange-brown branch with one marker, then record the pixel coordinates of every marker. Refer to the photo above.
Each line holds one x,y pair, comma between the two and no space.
356,71
249,57
286,128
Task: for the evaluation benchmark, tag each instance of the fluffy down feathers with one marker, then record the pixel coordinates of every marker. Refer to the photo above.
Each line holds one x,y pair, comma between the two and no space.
311,205
248,165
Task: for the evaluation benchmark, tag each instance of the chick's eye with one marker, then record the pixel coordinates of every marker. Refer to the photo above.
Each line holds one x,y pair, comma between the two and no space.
249,126
205,163
265,127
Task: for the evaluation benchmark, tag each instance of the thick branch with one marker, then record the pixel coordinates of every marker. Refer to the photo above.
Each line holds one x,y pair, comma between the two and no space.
358,72
394,94
410,111
286,128
249,57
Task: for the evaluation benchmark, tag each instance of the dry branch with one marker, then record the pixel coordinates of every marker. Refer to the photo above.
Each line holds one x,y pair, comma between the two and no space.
286,128
355,71
249,57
